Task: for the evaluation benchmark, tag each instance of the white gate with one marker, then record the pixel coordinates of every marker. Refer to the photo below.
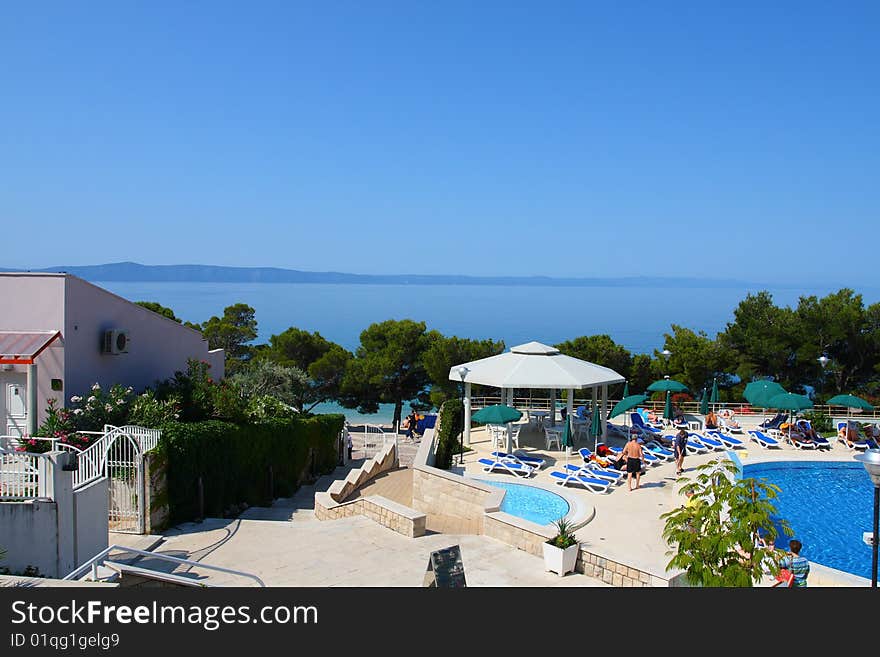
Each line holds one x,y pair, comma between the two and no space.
119,456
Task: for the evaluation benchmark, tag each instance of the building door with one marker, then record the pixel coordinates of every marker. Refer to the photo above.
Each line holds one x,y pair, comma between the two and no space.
13,412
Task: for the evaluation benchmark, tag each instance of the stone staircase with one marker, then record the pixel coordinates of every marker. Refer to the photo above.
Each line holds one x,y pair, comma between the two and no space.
298,508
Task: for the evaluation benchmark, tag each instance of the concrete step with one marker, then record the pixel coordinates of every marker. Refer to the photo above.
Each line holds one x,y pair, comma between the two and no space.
300,506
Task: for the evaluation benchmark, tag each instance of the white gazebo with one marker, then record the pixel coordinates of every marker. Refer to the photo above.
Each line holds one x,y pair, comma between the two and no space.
534,366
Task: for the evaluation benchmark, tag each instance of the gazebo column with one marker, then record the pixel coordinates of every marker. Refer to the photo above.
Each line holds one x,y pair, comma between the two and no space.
552,416
467,414
604,411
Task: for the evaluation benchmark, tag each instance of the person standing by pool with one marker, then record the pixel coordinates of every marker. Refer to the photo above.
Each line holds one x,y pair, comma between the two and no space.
795,563
633,454
681,441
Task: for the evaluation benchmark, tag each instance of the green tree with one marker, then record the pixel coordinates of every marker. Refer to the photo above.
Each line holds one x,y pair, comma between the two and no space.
838,326
296,347
714,536
641,374
387,367
327,375
232,332
599,349
759,338
159,309
695,358
289,385
446,352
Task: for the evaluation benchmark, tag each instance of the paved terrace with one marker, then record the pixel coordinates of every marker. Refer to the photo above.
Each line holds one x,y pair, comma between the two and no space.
286,545
627,527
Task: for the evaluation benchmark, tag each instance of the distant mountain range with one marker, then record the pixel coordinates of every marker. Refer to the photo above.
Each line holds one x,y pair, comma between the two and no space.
134,272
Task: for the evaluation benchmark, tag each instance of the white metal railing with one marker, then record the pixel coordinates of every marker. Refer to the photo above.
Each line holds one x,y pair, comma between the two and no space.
372,439
24,475
93,459
689,407
101,558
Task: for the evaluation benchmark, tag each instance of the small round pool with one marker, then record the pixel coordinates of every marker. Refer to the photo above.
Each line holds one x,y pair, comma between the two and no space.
828,505
531,503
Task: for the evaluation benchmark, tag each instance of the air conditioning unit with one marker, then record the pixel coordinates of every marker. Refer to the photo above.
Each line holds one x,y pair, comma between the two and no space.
116,341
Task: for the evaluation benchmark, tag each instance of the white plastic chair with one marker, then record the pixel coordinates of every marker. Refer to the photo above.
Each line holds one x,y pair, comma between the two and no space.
552,437
514,434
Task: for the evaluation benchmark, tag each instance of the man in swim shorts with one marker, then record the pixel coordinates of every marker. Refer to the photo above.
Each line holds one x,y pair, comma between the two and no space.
633,454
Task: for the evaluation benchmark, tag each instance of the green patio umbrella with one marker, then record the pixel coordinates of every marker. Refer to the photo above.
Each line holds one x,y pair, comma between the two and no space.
625,389
596,425
667,385
713,399
789,401
667,409
496,414
704,403
627,404
758,393
566,433
850,401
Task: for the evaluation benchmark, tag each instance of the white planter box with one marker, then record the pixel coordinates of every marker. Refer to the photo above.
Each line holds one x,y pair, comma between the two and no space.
558,560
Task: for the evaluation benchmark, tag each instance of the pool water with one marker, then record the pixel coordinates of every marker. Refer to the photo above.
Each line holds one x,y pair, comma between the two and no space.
828,505
531,503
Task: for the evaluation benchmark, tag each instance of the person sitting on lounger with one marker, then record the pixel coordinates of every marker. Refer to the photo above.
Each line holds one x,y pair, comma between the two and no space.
727,415
849,432
806,430
711,420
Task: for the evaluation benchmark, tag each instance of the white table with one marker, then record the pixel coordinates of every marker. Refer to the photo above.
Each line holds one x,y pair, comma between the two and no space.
539,416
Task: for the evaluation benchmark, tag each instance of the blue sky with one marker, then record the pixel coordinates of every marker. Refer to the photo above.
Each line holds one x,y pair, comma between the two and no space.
563,139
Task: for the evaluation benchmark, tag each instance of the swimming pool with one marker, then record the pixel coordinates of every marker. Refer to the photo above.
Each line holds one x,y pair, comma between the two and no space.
828,505
531,503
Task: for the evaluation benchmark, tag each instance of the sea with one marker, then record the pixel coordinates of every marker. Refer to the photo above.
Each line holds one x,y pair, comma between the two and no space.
635,317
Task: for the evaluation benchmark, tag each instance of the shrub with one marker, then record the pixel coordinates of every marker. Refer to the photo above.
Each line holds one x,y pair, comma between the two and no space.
565,537
238,463
820,421
149,411
451,420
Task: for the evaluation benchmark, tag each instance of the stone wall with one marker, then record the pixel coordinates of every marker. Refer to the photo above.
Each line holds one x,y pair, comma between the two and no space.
385,460
156,512
614,573
519,533
332,505
387,513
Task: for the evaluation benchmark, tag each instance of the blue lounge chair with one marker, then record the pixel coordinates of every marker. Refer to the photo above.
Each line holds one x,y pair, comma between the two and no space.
773,423
695,446
639,423
729,441
763,439
510,467
660,451
710,442
860,444
517,457
592,484
821,441
594,470
650,459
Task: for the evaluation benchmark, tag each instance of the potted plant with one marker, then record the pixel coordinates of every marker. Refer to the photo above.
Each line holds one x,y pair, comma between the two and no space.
561,551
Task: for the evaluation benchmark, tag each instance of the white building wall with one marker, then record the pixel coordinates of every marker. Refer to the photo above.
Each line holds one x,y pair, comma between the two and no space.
82,312
35,302
159,346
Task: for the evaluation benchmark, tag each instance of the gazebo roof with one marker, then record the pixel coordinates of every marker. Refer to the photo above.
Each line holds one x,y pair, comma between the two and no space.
535,365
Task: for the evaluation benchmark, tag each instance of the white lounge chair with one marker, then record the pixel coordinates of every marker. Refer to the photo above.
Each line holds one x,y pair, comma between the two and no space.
531,461
510,467
731,442
763,439
594,470
592,484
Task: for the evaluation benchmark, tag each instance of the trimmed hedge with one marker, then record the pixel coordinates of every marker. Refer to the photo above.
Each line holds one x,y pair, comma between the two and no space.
451,423
239,463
